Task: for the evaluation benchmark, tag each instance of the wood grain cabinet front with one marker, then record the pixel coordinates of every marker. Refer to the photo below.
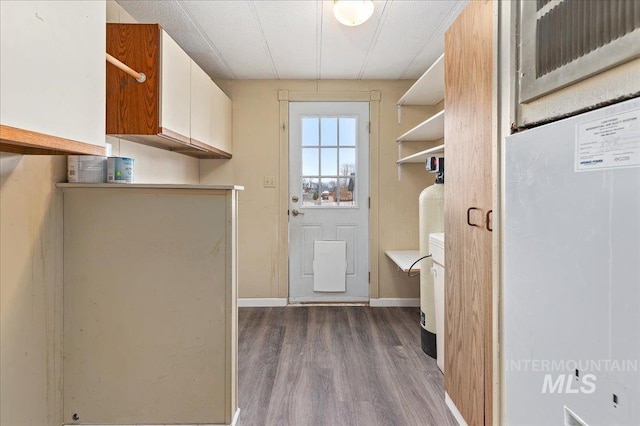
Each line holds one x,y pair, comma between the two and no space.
469,320
172,108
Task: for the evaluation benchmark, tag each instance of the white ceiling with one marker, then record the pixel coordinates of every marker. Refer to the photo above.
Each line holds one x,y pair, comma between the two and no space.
301,39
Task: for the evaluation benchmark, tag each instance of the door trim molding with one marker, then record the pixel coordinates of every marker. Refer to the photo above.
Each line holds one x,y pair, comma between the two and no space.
286,96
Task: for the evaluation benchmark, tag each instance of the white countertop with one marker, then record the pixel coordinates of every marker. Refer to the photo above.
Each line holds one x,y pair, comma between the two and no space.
148,186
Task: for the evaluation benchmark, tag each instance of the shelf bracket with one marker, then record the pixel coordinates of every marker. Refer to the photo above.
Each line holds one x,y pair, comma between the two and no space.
399,157
399,106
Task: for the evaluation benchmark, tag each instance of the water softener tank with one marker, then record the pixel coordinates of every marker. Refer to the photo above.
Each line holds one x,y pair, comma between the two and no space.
431,217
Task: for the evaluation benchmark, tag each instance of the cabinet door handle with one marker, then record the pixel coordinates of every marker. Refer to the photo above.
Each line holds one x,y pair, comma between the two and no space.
488,220
469,216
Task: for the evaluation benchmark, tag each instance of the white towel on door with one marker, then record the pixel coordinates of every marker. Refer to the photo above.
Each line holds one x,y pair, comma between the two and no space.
329,266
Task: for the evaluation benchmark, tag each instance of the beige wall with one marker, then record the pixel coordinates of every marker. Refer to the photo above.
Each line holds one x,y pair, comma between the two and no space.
256,153
30,289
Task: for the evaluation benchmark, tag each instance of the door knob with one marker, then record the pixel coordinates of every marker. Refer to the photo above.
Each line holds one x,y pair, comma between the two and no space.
295,212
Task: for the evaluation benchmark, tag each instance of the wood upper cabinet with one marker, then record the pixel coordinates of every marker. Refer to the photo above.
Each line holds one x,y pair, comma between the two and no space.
52,77
172,108
469,68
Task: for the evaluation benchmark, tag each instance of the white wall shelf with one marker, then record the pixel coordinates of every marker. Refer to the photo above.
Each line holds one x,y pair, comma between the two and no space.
431,129
429,89
404,259
420,157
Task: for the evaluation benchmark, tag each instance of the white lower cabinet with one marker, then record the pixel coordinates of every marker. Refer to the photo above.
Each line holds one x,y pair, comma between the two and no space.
150,313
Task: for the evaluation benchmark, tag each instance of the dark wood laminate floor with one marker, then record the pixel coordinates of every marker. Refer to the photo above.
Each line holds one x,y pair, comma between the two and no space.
336,365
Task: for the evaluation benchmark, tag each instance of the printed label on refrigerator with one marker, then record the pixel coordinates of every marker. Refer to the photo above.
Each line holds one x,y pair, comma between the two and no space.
609,143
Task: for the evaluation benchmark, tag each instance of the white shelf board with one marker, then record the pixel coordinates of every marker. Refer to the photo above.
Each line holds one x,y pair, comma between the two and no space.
420,157
431,129
429,89
404,259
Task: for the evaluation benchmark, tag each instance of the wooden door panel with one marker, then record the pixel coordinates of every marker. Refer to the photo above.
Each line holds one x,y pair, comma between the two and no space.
468,129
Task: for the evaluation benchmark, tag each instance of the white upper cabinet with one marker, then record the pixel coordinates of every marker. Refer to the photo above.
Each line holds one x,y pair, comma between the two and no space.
52,72
175,116
210,113
221,120
200,106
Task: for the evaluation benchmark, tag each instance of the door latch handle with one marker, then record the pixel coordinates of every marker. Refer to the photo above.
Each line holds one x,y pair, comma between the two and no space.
469,216
488,220
295,212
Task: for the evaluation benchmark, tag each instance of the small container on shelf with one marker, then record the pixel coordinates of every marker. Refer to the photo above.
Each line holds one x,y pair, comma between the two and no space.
120,170
86,169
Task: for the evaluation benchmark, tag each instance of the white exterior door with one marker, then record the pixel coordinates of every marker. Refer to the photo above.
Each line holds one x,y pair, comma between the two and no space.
328,202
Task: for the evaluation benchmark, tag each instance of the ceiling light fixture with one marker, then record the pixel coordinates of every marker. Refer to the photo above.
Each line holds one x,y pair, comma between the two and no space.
352,12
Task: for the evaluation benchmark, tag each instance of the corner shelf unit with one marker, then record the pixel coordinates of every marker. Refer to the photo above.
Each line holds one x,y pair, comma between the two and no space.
427,90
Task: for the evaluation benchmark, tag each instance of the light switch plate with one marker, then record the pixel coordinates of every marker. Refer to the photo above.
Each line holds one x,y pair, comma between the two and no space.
269,181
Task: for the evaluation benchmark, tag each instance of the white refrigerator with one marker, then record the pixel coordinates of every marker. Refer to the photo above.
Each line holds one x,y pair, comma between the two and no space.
571,271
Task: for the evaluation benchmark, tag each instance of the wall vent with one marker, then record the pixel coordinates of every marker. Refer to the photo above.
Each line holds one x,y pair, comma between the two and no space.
564,41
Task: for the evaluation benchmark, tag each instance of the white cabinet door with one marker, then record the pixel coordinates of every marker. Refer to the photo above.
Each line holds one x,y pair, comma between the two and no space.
52,68
221,122
176,90
200,106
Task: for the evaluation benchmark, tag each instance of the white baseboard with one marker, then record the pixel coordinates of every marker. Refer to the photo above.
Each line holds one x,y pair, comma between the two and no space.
266,302
261,302
234,422
145,424
387,302
454,410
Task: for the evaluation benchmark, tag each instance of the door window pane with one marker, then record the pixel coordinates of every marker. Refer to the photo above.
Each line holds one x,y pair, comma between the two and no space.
329,131
346,191
328,190
329,161
310,191
310,162
347,131
347,161
310,131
